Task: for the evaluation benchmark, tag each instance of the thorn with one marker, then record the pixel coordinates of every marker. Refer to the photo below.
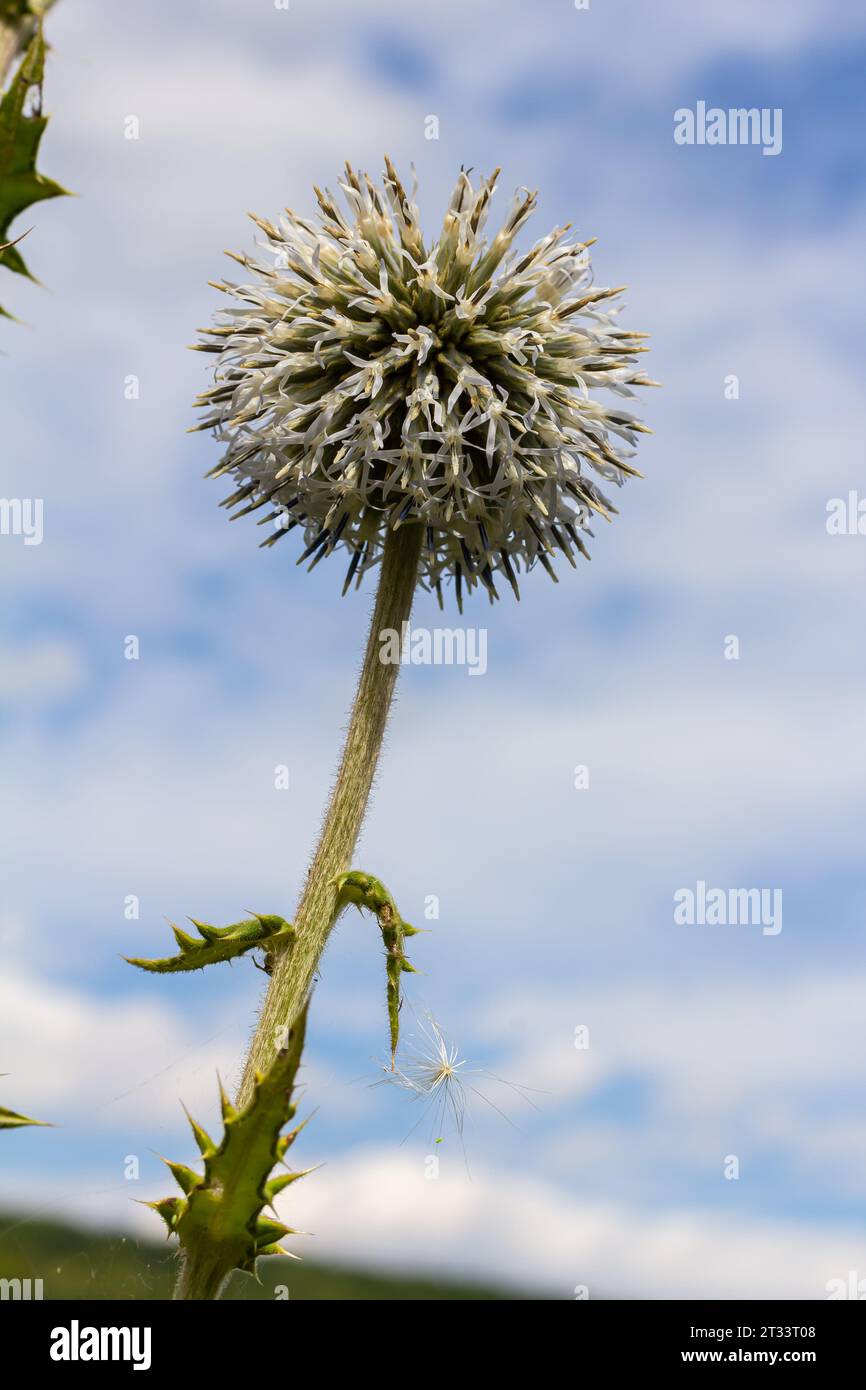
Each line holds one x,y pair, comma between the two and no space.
275,1186
186,1178
206,1145
229,1112
168,1208
205,930
185,942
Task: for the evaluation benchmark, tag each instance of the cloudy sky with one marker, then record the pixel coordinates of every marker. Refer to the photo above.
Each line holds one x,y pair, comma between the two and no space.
155,778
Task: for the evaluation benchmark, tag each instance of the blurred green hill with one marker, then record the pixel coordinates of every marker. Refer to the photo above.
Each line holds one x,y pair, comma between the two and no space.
74,1263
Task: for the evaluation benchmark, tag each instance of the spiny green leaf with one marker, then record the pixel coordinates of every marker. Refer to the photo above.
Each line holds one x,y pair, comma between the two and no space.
220,943
167,1208
206,1145
20,133
366,891
219,1220
9,1119
186,1178
275,1186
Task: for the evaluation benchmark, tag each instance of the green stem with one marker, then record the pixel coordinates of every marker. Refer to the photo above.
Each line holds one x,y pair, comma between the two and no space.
295,966
201,1276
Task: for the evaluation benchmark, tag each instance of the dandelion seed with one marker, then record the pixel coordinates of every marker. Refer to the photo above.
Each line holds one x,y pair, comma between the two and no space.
435,1075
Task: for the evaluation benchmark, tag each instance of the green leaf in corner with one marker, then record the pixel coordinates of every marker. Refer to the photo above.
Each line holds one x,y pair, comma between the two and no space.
21,127
9,1120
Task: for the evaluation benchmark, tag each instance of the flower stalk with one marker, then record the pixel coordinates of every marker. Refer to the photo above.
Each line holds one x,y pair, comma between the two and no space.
428,408
293,969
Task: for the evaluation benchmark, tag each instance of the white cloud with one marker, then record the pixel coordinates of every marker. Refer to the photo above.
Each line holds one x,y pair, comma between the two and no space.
156,812
41,672
503,1226
731,1063
503,43
670,764
375,1208
703,1050
88,1062
768,1070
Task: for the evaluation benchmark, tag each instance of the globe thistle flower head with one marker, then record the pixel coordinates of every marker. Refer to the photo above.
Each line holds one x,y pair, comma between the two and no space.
366,379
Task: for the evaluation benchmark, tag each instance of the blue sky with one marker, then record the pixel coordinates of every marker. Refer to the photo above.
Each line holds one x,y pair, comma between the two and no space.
155,777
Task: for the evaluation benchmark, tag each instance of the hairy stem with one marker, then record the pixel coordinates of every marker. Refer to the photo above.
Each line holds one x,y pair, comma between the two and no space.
201,1276
295,966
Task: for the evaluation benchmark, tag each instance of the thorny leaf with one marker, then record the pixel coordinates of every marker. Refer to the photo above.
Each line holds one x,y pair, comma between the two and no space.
366,891
21,131
9,1119
219,1220
220,943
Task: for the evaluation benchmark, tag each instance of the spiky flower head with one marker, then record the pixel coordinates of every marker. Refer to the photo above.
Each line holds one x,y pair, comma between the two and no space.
368,379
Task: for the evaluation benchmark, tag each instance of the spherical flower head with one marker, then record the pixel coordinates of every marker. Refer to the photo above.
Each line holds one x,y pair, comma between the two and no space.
367,380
